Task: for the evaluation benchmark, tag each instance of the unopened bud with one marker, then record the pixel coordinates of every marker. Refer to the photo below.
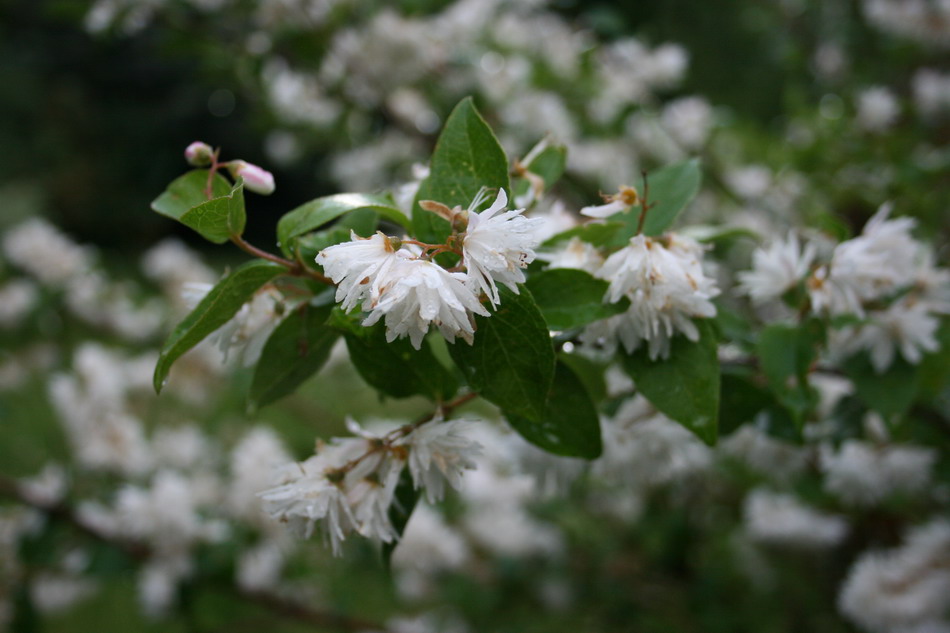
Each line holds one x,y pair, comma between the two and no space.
199,154
255,178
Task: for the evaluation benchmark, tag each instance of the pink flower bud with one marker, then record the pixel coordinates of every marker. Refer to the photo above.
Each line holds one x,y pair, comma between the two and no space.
199,154
255,178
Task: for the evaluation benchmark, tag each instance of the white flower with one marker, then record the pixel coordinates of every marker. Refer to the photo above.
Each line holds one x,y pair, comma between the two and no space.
355,265
750,182
873,265
370,499
776,269
877,109
42,250
439,452
782,519
906,326
666,287
575,254
416,293
863,474
308,499
623,200
17,298
688,120
902,589
644,448
497,246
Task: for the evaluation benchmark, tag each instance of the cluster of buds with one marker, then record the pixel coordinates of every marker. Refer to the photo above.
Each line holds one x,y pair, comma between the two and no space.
256,179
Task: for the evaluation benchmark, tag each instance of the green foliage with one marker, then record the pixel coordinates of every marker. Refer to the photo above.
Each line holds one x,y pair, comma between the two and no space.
570,298
549,164
216,309
318,212
219,219
786,353
395,369
684,387
188,191
890,393
511,361
216,219
467,157
569,425
671,188
295,350
598,234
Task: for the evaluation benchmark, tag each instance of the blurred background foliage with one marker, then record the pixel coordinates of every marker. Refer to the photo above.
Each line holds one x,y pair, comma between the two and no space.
93,124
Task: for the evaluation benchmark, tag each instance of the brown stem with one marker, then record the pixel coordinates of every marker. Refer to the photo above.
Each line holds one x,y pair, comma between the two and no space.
644,203
297,269
212,170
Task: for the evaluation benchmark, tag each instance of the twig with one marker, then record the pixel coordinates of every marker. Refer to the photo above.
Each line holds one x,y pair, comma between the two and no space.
296,269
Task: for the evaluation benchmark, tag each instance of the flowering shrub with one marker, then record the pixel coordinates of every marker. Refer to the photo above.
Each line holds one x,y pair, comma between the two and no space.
698,396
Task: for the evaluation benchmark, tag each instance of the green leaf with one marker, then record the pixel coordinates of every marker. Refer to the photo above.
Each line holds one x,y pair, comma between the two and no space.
594,233
570,298
467,157
892,393
295,350
786,353
395,369
671,189
684,387
511,361
741,398
188,191
216,309
550,164
590,372
316,213
569,425
218,219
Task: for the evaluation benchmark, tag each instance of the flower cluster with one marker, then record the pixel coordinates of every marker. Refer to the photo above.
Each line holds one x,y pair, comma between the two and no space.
349,484
664,280
400,281
884,279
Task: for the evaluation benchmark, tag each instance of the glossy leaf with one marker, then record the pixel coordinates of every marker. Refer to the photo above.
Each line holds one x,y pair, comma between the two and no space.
295,350
218,219
188,191
316,213
685,387
395,369
569,425
570,298
511,361
216,309
467,157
